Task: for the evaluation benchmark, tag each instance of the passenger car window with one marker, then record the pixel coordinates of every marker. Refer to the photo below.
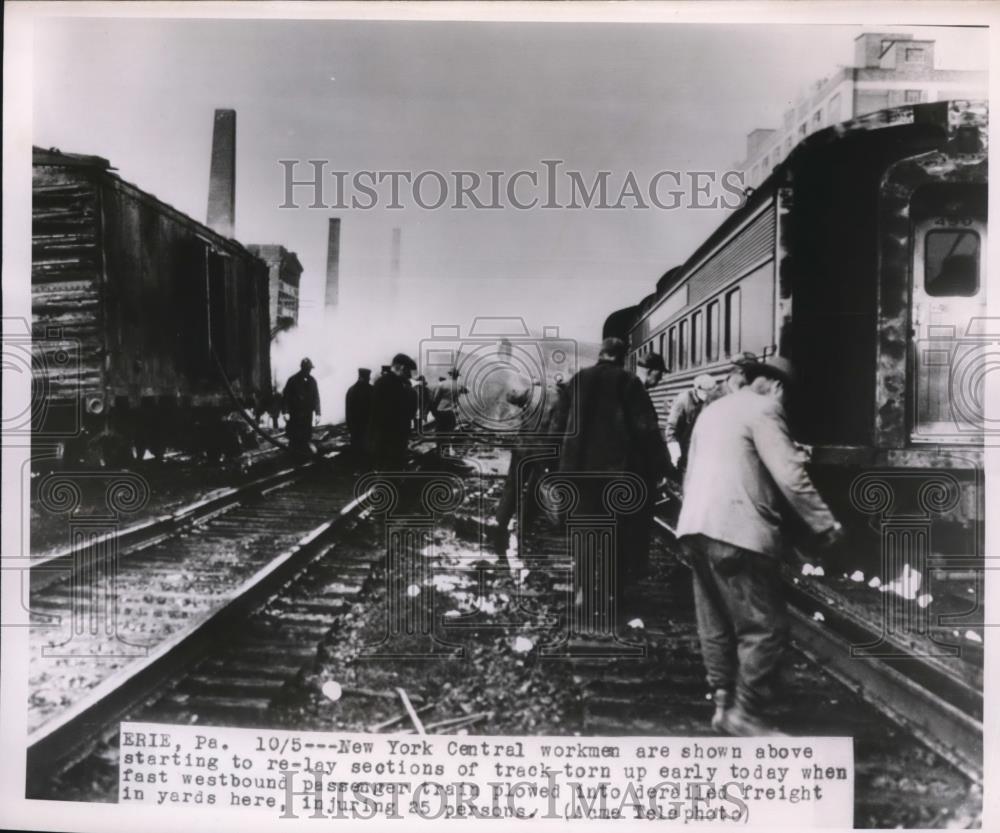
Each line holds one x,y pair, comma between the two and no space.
951,262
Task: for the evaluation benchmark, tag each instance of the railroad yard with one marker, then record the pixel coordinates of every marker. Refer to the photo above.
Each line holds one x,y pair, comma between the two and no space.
684,486
267,604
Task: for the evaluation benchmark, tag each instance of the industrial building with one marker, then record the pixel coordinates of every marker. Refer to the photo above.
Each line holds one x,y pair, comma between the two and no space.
889,70
284,274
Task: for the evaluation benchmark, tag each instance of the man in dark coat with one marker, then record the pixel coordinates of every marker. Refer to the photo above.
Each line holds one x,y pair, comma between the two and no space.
610,427
423,403
358,410
300,401
654,368
391,415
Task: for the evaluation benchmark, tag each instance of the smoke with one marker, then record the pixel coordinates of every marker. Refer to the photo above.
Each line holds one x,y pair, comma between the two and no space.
367,332
379,317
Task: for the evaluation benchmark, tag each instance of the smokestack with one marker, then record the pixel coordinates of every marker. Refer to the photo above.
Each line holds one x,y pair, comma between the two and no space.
333,264
222,176
397,242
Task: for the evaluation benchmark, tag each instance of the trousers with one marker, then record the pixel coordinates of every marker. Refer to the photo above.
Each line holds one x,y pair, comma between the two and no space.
742,619
519,488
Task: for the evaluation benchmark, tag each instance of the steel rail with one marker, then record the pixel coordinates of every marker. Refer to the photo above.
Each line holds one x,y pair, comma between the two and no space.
61,564
937,709
67,738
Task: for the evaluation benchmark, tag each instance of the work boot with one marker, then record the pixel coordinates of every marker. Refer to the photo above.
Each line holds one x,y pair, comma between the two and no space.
723,700
740,723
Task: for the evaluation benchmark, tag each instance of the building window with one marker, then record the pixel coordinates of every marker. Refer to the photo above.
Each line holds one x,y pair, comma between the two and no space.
671,349
951,263
788,145
833,110
912,97
914,56
712,332
697,345
682,346
662,338
817,120
731,341
802,130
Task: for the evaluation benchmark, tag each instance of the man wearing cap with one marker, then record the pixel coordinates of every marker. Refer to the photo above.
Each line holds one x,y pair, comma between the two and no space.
683,413
358,409
654,367
300,400
391,415
740,375
745,478
610,426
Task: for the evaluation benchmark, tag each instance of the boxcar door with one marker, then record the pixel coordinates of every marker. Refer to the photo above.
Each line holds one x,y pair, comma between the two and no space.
950,327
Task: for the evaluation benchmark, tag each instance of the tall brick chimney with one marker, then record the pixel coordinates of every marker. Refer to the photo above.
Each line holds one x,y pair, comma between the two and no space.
333,264
222,176
397,245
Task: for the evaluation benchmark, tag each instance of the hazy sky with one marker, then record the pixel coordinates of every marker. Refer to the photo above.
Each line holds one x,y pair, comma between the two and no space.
441,96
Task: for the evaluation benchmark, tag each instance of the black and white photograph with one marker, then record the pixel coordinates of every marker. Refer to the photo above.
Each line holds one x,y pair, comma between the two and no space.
548,413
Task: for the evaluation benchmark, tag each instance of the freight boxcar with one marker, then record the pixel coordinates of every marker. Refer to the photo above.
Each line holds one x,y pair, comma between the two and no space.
862,259
148,327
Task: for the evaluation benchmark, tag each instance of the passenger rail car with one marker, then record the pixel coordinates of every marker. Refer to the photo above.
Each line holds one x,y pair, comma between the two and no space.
143,319
862,258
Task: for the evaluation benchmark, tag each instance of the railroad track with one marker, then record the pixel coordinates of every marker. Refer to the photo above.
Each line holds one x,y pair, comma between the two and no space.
182,581
916,692
261,662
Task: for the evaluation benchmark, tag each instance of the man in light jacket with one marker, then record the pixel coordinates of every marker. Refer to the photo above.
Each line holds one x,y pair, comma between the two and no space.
744,475
684,413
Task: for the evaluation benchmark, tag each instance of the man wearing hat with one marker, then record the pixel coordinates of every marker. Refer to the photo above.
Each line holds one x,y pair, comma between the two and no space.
741,373
391,415
358,410
300,400
683,413
610,427
745,478
654,368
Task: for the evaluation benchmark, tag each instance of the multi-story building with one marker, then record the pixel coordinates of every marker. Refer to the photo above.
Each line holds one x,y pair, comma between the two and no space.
889,70
285,272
